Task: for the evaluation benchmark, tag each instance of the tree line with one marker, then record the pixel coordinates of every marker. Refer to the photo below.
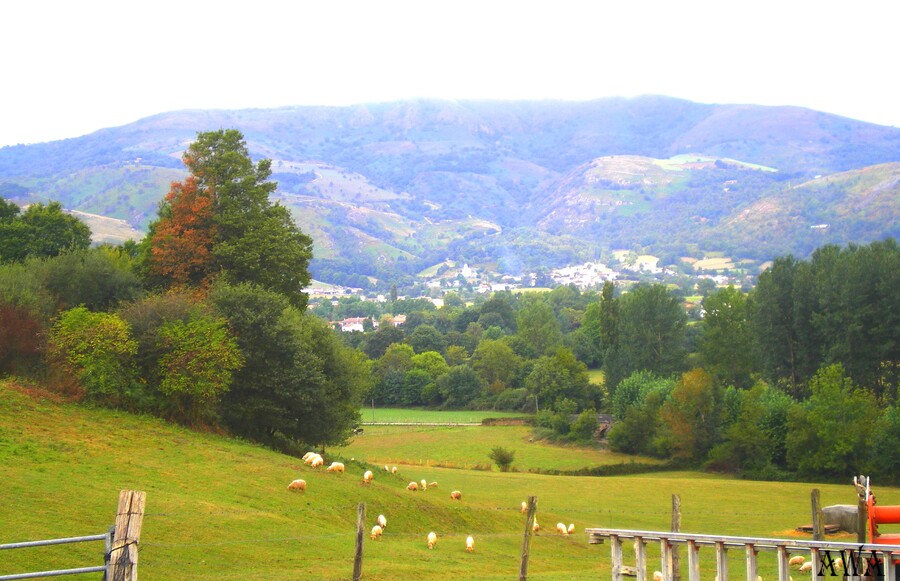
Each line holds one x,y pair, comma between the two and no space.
205,322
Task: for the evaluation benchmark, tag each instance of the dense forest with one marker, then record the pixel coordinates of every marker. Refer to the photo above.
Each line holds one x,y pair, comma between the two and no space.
205,322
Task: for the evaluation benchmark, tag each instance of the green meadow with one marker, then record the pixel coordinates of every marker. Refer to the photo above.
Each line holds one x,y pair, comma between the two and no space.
385,415
219,508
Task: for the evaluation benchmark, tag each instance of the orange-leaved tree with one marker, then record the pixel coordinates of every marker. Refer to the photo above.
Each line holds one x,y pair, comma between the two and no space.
181,240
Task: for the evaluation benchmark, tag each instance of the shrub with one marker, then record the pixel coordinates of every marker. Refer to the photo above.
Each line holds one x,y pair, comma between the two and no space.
98,349
502,457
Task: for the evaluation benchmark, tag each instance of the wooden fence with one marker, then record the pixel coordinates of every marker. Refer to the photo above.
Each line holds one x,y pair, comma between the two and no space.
856,560
121,552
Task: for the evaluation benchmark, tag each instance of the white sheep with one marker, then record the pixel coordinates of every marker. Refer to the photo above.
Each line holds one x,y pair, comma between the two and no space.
336,467
414,486
456,495
432,484
310,457
394,470
298,485
317,461
524,507
368,476
386,469
798,561
561,529
382,522
432,540
376,532
470,544
307,455
571,528
423,484
806,567
657,576
535,527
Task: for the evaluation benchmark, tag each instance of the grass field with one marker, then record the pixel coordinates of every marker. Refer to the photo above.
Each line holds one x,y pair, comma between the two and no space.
430,416
596,376
218,508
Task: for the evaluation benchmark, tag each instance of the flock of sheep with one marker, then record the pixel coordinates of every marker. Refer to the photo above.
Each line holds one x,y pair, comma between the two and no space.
315,460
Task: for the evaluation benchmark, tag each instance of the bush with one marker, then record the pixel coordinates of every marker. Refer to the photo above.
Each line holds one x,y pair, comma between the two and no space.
502,457
585,425
97,348
511,399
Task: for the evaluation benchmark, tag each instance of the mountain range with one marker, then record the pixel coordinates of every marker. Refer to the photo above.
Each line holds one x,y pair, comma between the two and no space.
389,189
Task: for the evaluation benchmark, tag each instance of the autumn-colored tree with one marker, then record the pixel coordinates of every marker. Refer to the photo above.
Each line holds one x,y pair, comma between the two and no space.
693,414
182,239
21,338
221,223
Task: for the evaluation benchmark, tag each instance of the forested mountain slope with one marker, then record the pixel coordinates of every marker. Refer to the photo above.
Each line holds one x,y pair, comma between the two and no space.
393,187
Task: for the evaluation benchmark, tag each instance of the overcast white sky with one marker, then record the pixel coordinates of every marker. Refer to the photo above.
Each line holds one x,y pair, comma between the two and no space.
71,68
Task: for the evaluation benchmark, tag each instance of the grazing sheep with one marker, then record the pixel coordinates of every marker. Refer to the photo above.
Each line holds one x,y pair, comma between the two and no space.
317,462
394,470
307,455
561,529
299,485
412,486
657,576
524,508
386,469
456,495
336,467
470,544
310,457
368,476
806,567
423,484
432,540
382,522
838,564
376,532
571,528
798,561
535,527
432,484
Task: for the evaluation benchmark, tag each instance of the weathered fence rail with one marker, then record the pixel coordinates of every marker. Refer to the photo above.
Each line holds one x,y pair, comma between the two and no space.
108,537
857,560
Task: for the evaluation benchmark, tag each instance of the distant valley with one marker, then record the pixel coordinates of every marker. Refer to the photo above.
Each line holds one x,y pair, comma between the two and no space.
388,190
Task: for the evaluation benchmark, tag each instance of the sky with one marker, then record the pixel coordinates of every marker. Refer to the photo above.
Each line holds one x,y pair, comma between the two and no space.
71,68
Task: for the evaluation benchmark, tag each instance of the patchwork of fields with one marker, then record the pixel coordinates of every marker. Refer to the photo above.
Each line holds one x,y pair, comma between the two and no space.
218,508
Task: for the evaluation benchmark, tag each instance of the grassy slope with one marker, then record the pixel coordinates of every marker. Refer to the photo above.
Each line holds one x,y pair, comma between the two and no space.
218,509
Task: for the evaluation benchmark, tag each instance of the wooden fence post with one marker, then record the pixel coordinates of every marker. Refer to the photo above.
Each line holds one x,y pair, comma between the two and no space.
862,508
818,519
526,542
360,538
124,552
676,528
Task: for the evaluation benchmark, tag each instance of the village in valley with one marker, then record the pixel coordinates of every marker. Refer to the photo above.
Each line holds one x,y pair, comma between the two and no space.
467,281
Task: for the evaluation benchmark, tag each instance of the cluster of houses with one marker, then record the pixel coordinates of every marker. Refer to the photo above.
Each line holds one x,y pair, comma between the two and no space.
356,323
585,276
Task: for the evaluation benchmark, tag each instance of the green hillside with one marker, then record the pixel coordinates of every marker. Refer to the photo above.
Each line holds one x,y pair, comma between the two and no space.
372,182
219,509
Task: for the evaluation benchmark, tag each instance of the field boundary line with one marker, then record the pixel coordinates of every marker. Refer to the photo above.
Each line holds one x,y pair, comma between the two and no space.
448,424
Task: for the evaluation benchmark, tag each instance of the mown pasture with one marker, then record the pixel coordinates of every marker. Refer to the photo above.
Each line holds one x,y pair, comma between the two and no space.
218,508
417,415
